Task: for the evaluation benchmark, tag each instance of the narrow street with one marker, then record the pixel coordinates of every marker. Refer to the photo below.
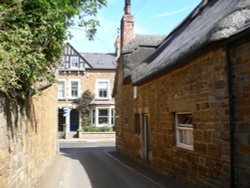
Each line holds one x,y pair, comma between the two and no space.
87,165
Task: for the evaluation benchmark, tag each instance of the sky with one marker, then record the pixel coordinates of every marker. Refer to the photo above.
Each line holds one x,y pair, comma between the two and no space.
158,17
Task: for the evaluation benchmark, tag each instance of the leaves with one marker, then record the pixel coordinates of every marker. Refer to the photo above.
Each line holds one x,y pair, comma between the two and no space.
32,33
83,104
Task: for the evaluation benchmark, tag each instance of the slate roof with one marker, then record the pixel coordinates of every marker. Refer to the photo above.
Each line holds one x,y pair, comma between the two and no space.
138,49
106,61
210,21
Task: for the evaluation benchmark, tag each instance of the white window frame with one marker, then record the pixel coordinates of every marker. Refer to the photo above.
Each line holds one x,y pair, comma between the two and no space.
64,90
93,116
74,62
78,89
182,129
98,116
135,92
97,89
112,116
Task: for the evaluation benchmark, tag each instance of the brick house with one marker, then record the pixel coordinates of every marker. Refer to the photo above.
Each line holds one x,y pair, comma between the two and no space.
184,108
77,73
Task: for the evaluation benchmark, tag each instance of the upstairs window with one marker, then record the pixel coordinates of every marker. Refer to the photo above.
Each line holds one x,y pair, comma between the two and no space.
74,62
102,89
74,89
184,130
61,89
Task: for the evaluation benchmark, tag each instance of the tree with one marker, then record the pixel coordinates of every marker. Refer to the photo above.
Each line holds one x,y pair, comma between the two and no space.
83,105
32,33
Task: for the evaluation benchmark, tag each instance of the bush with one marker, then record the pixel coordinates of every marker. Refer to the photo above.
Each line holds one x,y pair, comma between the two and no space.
97,129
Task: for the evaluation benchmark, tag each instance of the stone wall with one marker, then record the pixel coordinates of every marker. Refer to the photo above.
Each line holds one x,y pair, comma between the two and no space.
199,87
28,143
241,87
125,108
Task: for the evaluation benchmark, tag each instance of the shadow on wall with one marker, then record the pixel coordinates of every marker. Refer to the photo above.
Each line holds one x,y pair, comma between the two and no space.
17,114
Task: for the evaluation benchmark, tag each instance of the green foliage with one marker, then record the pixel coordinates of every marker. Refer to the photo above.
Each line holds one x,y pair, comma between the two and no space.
32,33
97,129
83,104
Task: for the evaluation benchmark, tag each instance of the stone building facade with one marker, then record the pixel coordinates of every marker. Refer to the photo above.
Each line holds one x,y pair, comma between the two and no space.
81,72
28,142
184,109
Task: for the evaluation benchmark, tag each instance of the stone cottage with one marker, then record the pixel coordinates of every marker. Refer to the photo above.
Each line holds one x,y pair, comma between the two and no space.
184,108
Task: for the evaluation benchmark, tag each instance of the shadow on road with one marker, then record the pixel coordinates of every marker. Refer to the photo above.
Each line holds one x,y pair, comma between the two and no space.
103,171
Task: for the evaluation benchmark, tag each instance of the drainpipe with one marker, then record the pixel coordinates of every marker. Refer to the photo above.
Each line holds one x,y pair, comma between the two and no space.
231,114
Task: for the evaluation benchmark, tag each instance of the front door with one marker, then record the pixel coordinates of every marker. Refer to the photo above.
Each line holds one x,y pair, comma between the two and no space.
74,120
145,138
61,120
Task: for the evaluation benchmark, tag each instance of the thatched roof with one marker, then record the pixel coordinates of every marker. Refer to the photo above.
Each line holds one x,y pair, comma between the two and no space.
210,21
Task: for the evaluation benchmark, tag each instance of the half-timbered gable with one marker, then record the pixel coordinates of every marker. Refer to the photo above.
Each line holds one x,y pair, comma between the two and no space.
72,61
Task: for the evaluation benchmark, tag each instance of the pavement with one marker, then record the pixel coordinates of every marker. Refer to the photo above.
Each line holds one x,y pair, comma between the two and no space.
139,169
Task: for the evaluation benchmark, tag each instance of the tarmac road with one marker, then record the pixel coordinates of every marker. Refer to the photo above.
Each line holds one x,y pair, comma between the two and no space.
86,165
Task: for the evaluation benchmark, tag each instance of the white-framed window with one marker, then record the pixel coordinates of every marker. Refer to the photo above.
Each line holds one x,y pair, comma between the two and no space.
103,116
135,92
74,88
61,89
184,130
112,116
102,89
74,62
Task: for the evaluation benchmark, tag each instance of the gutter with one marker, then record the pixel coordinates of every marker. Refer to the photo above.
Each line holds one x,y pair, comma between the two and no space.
231,98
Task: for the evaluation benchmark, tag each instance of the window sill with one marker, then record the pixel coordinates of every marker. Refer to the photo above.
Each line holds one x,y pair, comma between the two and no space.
185,146
102,99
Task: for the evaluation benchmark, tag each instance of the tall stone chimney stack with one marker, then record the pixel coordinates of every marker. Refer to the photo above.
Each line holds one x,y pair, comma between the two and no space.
127,25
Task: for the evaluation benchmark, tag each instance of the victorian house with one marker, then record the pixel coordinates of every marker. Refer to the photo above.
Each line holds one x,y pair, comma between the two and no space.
182,102
81,72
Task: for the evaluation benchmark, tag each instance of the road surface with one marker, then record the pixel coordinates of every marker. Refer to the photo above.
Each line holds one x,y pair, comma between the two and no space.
86,165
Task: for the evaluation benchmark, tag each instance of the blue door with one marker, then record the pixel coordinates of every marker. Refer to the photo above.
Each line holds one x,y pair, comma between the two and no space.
74,120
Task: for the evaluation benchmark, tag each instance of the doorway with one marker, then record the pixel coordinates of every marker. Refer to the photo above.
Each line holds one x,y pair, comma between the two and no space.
145,137
74,120
61,120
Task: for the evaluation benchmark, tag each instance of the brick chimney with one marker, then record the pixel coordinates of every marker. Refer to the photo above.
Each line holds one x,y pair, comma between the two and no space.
127,25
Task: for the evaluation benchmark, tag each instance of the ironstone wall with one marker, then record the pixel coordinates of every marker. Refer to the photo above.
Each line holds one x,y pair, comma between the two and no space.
27,138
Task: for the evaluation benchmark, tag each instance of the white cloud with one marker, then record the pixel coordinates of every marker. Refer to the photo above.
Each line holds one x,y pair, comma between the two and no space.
171,13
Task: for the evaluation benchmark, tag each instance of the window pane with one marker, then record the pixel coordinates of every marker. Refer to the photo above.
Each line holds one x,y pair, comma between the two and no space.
103,116
184,129
61,89
74,89
102,88
103,112
102,93
103,85
74,61
93,116
103,120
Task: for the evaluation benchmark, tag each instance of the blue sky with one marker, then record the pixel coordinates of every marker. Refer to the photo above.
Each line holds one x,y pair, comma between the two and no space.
151,17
